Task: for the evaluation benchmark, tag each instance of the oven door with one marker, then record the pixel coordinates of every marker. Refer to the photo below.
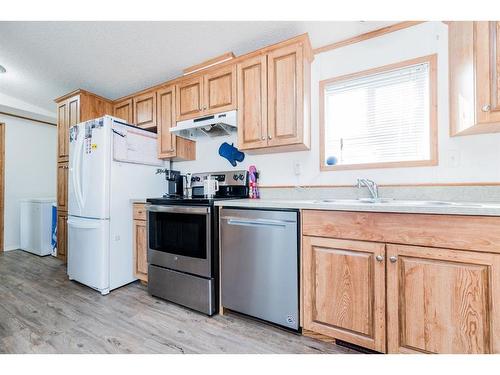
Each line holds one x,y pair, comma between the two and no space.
179,238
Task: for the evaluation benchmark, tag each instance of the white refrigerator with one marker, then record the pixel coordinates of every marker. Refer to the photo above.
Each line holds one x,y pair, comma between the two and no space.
110,163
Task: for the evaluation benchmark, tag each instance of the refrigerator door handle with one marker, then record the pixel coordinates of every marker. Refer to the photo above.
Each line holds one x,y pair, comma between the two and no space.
77,175
83,225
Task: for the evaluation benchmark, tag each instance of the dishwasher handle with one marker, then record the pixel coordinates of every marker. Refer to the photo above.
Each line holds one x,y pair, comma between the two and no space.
256,222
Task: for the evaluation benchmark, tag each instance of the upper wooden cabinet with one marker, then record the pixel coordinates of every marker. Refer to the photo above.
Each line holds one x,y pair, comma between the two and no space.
124,110
144,108
442,301
219,90
170,146
206,94
344,290
274,99
189,98
252,102
68,114
285,90
474,63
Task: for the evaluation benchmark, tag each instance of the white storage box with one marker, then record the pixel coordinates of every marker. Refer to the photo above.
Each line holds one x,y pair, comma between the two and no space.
36,225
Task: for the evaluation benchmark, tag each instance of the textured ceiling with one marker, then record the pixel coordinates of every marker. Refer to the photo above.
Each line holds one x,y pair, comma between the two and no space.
47,59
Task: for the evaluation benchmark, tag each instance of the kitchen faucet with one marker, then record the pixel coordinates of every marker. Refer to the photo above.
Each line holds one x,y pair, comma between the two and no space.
371,185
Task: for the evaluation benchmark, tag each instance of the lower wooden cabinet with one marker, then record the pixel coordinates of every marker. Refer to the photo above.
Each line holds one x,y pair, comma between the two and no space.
344,290
442,301
62,236
140,242
436,300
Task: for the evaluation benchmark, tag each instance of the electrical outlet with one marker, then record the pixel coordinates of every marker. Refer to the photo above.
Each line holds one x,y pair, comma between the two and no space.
453,158
296,168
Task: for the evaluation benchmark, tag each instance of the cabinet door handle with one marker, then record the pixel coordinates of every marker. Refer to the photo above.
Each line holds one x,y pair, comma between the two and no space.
393,259
379,258
269,137
263,137
486,108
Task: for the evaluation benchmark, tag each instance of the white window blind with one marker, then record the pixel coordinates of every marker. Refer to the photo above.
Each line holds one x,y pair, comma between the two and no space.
378,118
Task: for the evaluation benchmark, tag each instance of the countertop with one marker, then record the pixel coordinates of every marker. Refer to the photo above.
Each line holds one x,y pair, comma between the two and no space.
397,206
138,200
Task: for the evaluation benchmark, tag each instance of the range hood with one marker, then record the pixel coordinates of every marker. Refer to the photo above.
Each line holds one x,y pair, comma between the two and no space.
216,125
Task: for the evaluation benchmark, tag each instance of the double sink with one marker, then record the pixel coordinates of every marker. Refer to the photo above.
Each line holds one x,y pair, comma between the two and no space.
394,202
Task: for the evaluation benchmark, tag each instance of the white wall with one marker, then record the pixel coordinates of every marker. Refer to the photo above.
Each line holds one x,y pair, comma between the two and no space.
30,169
461,159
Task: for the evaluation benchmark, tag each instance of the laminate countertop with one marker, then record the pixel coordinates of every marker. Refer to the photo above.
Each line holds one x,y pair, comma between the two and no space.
388,205
138,200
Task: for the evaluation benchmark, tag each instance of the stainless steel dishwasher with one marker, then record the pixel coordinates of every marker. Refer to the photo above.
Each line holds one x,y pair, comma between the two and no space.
260,257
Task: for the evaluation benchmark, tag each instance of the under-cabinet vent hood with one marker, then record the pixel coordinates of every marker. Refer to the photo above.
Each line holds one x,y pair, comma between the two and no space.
216,125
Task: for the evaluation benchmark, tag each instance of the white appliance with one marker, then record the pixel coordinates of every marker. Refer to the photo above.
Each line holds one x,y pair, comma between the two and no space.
36,225
110,163
216,125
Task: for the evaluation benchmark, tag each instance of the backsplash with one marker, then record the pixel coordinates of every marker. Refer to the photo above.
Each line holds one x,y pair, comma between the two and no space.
459,193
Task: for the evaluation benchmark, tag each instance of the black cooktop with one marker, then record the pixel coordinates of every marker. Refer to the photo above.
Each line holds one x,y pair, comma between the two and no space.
183,201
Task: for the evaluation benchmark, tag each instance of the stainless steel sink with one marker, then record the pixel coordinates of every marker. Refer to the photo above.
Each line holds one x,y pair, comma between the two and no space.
396,202
355,201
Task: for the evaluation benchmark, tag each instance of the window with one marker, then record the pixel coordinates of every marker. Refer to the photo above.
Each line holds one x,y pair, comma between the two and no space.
384,117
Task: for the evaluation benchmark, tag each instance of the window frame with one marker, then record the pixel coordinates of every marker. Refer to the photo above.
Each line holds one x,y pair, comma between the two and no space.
433,131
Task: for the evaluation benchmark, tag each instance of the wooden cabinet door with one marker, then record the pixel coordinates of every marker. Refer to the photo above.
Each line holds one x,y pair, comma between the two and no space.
145,110
252,103
140,250
442,301
285,90
62,186
344,290
62,236
62,132
68,114
166,120
189,98
219,90
461,66
487,63
124,110
494,32
73,112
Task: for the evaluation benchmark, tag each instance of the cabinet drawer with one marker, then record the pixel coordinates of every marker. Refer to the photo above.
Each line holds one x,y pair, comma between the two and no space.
478,233
139,211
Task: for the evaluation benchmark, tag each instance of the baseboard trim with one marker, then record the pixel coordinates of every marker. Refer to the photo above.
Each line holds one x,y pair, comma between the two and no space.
12,247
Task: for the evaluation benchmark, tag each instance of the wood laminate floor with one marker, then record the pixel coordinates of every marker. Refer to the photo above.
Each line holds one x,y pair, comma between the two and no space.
41,311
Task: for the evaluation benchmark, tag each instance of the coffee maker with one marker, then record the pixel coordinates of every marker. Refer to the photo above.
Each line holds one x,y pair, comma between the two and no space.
175,183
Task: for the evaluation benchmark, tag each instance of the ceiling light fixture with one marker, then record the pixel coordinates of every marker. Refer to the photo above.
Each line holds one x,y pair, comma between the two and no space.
2,69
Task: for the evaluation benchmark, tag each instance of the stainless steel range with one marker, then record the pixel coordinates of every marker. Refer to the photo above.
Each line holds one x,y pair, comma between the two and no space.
183,242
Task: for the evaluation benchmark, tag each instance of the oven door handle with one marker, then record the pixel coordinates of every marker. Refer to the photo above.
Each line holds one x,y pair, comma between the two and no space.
178,209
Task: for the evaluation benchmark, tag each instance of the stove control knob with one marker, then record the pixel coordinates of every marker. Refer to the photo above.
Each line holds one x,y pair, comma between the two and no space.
197,178
235,177
242,177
